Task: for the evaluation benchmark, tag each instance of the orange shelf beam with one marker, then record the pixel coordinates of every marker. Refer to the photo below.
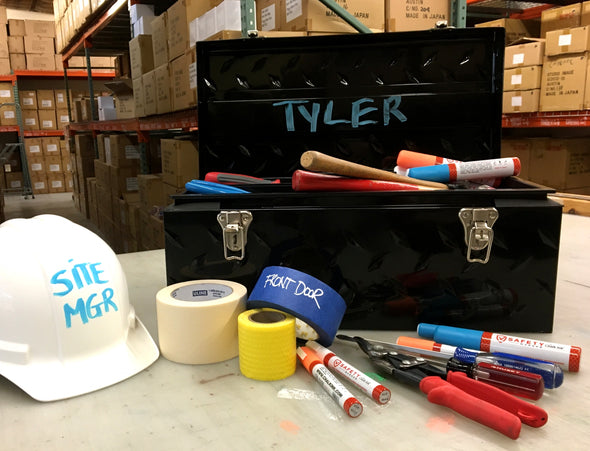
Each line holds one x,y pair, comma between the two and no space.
185,120
30,133
580,118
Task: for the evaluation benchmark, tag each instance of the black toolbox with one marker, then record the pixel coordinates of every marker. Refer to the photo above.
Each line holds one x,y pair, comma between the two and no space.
484,259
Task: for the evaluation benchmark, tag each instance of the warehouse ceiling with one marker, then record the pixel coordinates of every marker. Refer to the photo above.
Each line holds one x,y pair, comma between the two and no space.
39,6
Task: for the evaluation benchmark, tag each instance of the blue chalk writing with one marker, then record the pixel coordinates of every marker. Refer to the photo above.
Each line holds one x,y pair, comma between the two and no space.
87,307
311,115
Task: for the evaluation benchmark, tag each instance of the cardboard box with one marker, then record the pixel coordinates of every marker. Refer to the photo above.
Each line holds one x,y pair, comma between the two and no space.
267,15
409,15
14,180
562,83
184,80
51,146
138,97
522,78
62,118
3,18
39,183
141,55
524,52
151,191
570,40
36,165
45,99
30,119
310,15
137,11
40,62
142,26
16,44
40,28
53,164
163,89
149,93
44,46
102,173
5,67
107,114
563,17
160,39
8,115
124,151
521,101
33,147
18,61
123,180
520,148
180,161
59,65
561,163
515,28
178,32
61,101
123,95
92,201
47,120
228,16
16,27
28,99
6,92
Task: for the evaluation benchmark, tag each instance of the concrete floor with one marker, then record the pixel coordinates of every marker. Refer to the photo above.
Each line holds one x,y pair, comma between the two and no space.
62,204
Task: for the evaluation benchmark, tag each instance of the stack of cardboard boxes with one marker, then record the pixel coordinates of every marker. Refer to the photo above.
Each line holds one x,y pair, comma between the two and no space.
125,204
4,52
31,45
70,17
44,109
49,165
522,75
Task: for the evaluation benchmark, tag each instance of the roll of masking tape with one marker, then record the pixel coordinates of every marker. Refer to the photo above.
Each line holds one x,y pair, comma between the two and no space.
267,346
308,299
198,320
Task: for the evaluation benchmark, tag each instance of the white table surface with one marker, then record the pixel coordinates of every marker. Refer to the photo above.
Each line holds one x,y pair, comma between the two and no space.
171,406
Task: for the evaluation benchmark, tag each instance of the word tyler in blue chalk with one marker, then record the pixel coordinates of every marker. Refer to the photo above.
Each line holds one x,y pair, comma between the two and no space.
311,115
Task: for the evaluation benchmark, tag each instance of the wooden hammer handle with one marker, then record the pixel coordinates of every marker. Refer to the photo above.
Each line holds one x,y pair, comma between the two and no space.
319,162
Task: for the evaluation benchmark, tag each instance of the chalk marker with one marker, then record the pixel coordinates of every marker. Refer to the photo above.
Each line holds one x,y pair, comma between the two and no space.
408,159
337,391
371,387
566,356
469,170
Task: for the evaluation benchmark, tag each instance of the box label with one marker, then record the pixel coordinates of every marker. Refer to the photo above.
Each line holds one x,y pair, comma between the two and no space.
294,9
5,93
565,39
30,121
51,147
48,124
192,75
28,101
268,18
131,152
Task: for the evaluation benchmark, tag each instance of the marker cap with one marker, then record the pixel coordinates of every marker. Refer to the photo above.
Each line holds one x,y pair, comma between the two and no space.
353,407
381,394
437,173
456,336
307,357
418,343
409,159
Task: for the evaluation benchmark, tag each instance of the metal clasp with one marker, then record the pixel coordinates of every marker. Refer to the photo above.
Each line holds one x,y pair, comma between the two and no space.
478,223
234,225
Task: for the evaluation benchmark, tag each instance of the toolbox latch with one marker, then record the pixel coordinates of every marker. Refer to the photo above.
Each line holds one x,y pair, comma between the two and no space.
478,223
234,225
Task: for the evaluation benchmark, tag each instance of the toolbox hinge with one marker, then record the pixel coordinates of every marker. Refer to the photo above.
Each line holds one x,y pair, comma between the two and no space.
234,225
478,223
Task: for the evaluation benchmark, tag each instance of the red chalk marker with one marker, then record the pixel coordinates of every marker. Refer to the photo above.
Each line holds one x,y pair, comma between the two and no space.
329,383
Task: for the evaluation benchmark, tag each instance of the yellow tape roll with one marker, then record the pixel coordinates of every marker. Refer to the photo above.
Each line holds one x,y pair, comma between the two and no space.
198,320
267,346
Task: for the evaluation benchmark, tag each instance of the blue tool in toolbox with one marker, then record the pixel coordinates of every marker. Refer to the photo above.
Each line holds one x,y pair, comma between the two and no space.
482,259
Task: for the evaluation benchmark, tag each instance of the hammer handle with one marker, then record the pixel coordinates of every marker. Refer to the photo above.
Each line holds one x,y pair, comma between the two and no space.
319,162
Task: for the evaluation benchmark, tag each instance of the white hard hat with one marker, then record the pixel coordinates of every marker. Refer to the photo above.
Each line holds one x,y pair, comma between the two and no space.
66,325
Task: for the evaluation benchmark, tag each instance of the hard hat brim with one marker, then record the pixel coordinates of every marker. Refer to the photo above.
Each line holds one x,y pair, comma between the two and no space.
58,379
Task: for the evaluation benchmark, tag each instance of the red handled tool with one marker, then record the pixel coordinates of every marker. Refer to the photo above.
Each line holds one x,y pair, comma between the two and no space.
314,181
473,399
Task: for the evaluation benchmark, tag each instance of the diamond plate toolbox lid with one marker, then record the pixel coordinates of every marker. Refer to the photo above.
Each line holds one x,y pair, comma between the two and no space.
262,102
